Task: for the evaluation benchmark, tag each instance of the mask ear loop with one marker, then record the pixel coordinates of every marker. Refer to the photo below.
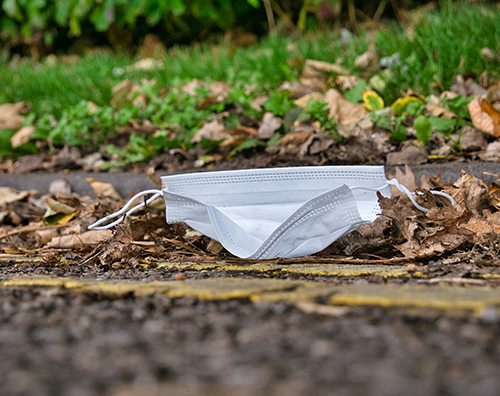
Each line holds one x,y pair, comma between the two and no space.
96,226
404,190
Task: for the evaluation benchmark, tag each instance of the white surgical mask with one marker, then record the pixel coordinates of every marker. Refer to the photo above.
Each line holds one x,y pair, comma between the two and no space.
277,212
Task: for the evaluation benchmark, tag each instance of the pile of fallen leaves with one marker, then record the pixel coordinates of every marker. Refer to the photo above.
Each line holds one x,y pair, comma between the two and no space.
55,226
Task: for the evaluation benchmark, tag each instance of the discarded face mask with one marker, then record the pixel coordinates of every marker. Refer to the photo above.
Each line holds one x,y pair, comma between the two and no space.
277,212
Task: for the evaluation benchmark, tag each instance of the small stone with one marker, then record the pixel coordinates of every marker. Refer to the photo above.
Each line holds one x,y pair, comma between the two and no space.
492,152
179,277
489,315
411,155
411,268
472,139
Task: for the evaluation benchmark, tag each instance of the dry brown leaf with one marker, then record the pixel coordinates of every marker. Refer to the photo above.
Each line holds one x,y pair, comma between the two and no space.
444,240
22,136
302,101
436,110
89,238
467,87
9,195
290,142
313,83
103,190
482,228
191,86
370,56
125,90
407,179
314,68
242,130
213,130
315,73
45,236
152,46
232,141
59,207
346,82
118,246
487,53
10,115
145,64
492,152
269,125
485,117
409,155
315,144
476,195
258,102
488,108
219,91
341,109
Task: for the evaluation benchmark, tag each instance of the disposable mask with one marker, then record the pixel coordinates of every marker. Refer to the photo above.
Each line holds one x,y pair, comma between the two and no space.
268,213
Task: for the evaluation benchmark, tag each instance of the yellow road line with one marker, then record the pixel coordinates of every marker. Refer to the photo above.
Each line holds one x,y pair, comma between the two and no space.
448,298
387,271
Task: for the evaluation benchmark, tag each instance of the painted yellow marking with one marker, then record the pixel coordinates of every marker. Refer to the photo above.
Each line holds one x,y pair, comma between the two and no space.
419,296
407,296
297,269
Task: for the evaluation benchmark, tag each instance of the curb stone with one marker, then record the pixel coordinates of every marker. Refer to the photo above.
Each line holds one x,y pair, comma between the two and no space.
128,183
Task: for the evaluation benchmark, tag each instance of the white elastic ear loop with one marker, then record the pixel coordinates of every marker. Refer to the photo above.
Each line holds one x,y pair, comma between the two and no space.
94,226
403,189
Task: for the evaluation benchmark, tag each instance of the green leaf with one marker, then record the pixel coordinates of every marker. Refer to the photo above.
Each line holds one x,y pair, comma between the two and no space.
247,144
423,129
102,17
442,124
254,3
400,106
278,103
8,27
399,135
11,9
61,14
458,106
372,101
74,25
355,94
178,7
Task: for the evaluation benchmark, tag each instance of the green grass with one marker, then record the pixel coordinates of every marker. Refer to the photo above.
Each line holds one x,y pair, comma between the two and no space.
51,89
446,43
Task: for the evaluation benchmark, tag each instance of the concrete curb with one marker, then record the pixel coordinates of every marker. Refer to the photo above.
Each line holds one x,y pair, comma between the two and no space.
130,183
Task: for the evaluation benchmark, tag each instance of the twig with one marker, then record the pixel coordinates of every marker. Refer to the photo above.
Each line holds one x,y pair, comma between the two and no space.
277,9
352,14
380,10
460,281
309,260
397,10
270,16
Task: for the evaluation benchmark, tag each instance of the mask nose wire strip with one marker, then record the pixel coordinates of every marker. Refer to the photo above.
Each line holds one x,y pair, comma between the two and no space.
95,226
404,190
